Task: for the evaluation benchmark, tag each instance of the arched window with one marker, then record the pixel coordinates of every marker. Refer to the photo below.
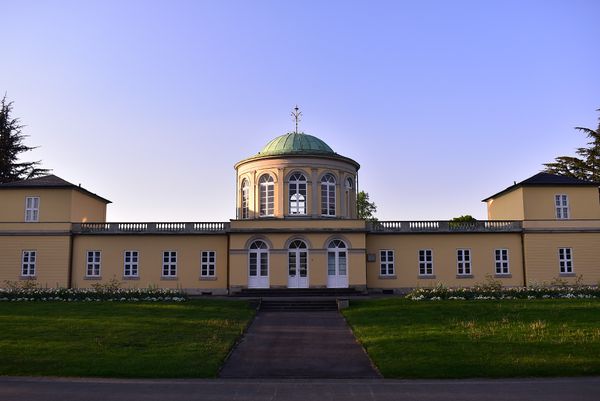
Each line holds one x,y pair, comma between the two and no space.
337,264
245,198
297,264
267,195
297,191
349,185
258,265
328,195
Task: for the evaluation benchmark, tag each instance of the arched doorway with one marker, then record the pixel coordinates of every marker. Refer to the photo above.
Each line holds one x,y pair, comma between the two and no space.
258,265
297,265
337,264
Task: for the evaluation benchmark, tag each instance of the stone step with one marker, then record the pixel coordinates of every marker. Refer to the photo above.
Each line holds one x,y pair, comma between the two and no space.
298,305
298,292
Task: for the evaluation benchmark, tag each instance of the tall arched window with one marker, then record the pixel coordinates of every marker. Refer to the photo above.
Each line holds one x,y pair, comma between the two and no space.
337,264
267,195
297,264
349,185
245,198
297,192
328,195
258,265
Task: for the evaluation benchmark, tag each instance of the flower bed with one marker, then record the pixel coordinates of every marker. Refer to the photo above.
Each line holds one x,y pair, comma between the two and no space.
488,293
94,294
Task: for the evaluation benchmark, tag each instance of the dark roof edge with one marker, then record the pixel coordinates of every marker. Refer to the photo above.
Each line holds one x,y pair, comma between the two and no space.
299,155
521,185
71,186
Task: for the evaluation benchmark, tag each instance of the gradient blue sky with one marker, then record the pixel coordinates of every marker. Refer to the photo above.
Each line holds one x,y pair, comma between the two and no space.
442,102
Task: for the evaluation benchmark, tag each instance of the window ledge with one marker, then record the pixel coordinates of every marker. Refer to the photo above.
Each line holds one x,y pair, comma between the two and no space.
388,277
426,276
131,277
92,278
464,276
208,278
503,275
567,275
167,278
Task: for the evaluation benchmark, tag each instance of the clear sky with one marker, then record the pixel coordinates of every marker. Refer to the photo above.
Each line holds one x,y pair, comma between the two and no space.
150,103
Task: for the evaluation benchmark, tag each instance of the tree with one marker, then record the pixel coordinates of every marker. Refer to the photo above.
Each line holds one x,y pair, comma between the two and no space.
366,209
11,145
587,166
465,218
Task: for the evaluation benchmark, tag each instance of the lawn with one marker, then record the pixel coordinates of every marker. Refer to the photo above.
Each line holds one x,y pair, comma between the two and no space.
460,339
113,339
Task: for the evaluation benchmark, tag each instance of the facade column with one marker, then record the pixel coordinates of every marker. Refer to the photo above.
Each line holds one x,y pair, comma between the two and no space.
281,197
315,193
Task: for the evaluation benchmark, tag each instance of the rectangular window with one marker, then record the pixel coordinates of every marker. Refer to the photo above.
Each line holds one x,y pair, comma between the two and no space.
386,262
565,260
32,208
28,263
561,202
501,256
463,262
130,263
208,263
93,264
169,264
425,262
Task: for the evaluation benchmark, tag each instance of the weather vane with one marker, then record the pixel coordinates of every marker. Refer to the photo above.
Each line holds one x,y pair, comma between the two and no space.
297,115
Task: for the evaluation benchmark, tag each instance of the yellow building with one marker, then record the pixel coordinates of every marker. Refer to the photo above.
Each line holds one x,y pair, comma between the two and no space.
296,227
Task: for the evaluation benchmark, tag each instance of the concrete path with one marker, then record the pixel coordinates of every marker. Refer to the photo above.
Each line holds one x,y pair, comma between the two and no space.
299,345
44,389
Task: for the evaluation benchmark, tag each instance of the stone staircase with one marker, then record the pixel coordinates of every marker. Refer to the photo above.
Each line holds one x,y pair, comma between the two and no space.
298,292
297,305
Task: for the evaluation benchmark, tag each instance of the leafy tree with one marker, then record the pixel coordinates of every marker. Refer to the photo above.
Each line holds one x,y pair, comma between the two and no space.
11,145
587,165
366,209
466,217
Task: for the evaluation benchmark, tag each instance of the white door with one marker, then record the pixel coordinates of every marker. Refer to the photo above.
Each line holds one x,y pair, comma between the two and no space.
337,267
297,265
258,265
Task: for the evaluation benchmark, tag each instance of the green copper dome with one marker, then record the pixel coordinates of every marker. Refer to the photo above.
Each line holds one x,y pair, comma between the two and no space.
296,143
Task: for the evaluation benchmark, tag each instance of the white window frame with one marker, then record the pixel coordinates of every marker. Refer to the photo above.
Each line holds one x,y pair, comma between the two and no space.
425,266
93,264
245,198
131,268
266,187
169,266
463,262
386,262
297,191
565,260
208,264
32,209
561,205
28,263
328,195
501,261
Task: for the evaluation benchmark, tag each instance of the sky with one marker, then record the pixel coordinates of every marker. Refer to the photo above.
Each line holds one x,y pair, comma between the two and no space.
443,103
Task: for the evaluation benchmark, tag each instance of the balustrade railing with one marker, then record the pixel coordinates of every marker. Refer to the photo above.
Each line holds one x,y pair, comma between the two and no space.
150,228
445,226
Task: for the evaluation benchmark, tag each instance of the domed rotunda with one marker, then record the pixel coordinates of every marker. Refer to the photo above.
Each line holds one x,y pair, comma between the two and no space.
296,176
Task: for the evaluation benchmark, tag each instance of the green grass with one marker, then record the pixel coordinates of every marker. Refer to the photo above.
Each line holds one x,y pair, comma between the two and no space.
111,339
459,339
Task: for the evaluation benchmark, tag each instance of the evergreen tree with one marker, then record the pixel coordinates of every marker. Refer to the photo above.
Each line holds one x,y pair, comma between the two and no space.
366,209
11,145
587,165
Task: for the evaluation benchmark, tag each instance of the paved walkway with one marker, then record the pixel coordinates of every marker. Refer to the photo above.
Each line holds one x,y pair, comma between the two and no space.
43,389
299,345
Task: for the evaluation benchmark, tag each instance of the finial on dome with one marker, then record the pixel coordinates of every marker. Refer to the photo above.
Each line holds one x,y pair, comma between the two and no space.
297,115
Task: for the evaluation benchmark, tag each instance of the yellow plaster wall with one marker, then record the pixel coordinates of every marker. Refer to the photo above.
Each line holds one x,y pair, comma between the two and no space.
541,255
55,204
444,247
150,248
278,254
584,202
52,253
86,208
508,206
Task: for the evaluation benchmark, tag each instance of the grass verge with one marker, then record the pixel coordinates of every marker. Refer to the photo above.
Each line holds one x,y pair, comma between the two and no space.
461,339
109,339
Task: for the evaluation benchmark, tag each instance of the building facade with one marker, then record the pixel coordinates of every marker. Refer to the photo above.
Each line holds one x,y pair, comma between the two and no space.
296,226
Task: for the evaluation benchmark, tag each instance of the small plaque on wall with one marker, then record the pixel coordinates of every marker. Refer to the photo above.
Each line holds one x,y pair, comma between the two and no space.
371,257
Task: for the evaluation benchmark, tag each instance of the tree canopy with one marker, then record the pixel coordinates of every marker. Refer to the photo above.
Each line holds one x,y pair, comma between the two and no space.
12,145
366,210
587,165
